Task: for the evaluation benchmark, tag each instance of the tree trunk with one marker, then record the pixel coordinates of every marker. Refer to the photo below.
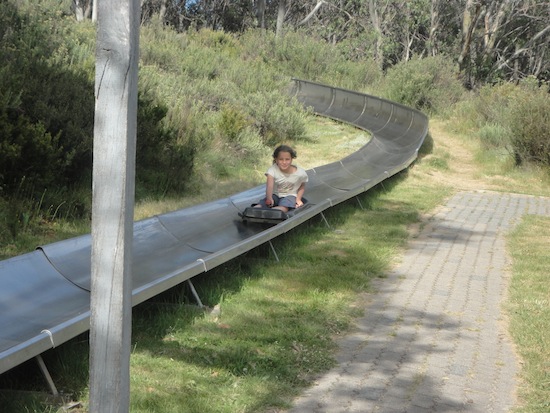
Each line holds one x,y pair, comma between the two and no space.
375,20
260,13
281,12
83,9
162,11
94,10
79,10
469,23
525,47
493,20
434,27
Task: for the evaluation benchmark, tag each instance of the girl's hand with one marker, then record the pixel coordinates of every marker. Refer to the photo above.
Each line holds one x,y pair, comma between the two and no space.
299,203
269,202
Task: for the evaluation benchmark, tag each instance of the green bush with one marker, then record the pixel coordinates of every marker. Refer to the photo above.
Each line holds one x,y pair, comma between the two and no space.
529,123
233,122
227,110
277,118
493,135
493,103
302,56
429,84
27,153
46,106
486,109
512,117
163,164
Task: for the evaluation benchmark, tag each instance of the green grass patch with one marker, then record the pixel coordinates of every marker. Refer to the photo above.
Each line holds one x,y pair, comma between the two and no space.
529,310
438,163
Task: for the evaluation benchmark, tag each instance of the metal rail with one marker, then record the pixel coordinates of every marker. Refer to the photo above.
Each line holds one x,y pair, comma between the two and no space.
45,294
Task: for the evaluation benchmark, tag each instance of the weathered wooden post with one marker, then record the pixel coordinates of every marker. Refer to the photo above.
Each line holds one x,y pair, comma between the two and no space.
117,53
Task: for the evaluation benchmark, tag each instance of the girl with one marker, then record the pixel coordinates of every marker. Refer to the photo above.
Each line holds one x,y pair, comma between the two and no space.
286,182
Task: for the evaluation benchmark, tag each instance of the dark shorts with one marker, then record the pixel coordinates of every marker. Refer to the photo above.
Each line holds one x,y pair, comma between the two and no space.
287,201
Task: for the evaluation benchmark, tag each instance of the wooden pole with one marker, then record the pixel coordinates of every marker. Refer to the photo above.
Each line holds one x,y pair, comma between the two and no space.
117,53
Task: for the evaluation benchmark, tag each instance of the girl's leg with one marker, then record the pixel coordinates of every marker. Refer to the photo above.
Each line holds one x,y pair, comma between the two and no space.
282,208
287,203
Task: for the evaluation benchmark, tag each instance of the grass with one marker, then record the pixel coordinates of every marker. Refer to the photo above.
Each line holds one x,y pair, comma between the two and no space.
273,324
529,309
272,332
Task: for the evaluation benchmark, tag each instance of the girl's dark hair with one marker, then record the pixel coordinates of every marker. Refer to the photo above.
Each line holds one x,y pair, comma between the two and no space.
284,148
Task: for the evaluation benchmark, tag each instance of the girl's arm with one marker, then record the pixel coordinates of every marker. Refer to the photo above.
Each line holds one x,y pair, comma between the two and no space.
269,190
300,194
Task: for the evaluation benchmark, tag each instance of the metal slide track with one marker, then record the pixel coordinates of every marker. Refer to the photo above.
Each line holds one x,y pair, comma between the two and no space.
45,294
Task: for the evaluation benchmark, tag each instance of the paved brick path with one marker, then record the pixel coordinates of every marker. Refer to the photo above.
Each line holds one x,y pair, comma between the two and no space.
433,337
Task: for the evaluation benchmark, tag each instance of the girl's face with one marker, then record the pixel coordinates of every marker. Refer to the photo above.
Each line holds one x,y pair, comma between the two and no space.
284,161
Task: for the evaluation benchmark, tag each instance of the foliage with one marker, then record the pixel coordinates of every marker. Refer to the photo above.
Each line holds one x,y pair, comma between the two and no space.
490,40
493,136
529,124
512,117
163,163
429,84
300,55
225,112
44,107
232,122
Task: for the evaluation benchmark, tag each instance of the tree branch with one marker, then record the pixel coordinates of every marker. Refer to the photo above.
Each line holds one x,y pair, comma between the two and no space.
312,13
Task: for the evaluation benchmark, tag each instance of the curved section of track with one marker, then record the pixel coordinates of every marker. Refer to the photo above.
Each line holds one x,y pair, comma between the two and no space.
45,294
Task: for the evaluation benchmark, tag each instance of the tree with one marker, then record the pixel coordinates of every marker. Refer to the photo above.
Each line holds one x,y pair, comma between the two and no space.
489,39
82,9
260,13
520,47
281,13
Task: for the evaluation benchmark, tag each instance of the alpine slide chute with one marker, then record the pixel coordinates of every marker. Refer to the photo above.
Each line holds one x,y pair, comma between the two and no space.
45,294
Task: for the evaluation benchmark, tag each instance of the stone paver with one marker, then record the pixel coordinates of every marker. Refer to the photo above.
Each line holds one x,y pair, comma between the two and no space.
432,338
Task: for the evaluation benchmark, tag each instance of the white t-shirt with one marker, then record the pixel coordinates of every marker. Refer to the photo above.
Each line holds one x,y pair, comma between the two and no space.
287,184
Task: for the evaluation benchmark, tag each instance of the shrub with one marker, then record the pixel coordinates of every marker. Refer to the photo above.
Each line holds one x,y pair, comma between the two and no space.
361,76
302,56
529,123
493,103
27,153
163,164
512,117
277,117
485,110
429,84
46,107
233,122
494,136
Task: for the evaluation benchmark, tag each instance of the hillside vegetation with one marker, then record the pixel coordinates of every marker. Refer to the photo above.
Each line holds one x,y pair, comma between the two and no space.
211,107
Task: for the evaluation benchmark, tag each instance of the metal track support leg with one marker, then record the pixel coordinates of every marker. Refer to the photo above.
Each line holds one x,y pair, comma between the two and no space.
359,201
324,219
194,292
46,374
273,250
